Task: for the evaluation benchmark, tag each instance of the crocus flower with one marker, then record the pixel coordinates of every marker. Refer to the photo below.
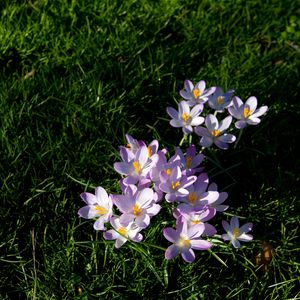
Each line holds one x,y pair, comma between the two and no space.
122,233
198,194
184,240
195,215
99,206
214,133
135,205
185,117
138,167
189,162
220,100
176,184
246,113
235,233
196,94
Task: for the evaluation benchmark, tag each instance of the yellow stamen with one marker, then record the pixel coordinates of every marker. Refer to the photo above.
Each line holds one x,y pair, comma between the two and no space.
215,133
192,197
149,151
136,210
100,210
188,161
220,100
168,172
128,146
195,222
184,242
185,116
247,112
175,185
137,166
122,230
196,93
236,232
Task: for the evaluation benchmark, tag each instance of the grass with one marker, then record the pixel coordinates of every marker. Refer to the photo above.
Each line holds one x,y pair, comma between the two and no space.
76,77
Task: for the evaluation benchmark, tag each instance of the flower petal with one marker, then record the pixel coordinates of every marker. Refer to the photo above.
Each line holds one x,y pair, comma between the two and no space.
188,85
227,138
188,255
201,244
246,228
172,112
206,141
251,103
88,198
260,111
211,122
236,243
226,225
245,237
197,121
171,234
225,123
240,124
171,252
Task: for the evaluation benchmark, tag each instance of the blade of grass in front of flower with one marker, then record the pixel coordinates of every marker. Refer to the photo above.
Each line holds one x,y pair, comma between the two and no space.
217,257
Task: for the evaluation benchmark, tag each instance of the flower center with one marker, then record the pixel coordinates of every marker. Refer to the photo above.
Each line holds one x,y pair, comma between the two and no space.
195,221
236,232
215,132
175,185
185,116
196,93
128,146
122,230
188,162
137,166
220,100
136,210
168,172
192,197
184,242
100,210
246,112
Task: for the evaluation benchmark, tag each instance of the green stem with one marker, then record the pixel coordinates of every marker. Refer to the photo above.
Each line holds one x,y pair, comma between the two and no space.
238,139
182,140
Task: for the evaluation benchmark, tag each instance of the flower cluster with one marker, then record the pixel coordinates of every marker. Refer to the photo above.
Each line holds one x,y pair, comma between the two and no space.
151,175
197,98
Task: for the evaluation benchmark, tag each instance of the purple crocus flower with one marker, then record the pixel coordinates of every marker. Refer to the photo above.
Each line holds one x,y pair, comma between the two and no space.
220,100
235,233
214,133
99,206
138,206
195,215
185,117
198,194
138,167
176,184
184,240
189,162
246,113
197,94
122,233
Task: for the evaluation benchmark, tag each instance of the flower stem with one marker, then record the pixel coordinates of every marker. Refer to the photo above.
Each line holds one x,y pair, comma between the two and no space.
182,140
238,139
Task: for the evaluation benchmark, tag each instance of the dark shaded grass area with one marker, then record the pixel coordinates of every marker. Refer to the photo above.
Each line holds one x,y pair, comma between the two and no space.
76,77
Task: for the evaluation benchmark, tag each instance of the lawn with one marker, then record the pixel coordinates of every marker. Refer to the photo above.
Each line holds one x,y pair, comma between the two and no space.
77,76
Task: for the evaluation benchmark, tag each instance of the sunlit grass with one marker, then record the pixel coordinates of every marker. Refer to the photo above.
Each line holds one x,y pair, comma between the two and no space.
76,77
